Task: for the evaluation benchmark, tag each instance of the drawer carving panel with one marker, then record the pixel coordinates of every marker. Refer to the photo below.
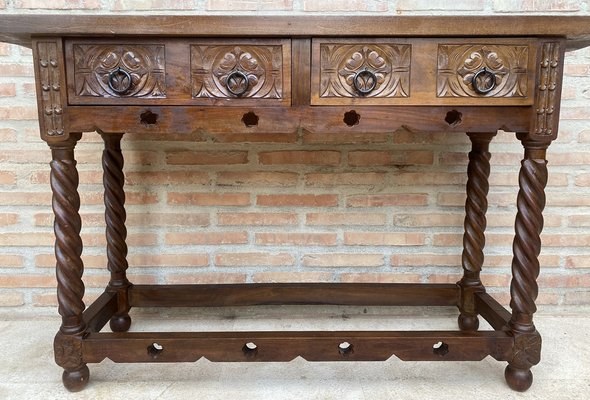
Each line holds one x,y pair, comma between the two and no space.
119,70
241,71
362,70
472,70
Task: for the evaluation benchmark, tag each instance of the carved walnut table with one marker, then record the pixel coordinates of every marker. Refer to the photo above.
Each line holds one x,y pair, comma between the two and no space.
161,74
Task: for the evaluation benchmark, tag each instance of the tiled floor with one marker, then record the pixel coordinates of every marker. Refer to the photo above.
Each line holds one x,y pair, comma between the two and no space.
27,369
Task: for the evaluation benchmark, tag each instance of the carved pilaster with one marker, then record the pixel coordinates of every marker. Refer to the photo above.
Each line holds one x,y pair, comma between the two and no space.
548,89
525,264
116,232
476,206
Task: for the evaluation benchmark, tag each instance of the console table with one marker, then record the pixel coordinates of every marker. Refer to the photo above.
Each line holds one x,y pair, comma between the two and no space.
263,74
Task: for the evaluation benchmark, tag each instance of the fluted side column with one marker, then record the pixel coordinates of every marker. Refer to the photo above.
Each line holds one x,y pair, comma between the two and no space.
476,207
116,232
525,265
69,266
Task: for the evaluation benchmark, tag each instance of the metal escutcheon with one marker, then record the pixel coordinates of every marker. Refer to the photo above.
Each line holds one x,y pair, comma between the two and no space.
484,81
120,81
364,81
237,83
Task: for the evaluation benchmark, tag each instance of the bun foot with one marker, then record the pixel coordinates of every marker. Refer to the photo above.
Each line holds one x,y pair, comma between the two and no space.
120,323
518,379
468,322
76,380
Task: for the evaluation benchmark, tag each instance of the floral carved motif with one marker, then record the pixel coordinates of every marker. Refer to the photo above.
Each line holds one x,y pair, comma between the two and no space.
48,68
526,351
67,351
388,67
249,71
505,65
547,98
101,70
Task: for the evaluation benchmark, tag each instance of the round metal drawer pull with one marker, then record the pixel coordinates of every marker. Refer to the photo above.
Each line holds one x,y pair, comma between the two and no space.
120,81
484,81
364,81
237,83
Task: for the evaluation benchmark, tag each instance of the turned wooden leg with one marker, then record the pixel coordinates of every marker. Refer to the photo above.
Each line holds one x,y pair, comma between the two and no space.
476,206
525,265
69,267
116,233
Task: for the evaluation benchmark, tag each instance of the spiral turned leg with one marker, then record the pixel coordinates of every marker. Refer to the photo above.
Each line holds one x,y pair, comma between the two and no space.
525,266
116,232
69,266
476,206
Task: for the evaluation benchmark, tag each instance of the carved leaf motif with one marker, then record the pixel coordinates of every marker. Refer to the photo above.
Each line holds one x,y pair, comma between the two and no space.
213,68
144,63
527,350
67,351
458,64
340,63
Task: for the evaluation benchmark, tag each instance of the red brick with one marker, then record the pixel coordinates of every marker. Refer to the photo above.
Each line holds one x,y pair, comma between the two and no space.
273,179
565,240
249,5
494,199
564,281
90,261
205,278
50,299
11,261
7,90
257,219
12,299
390,158
578,261
26,239
26,156
27,281
380,278
577,297
25,198
531,5
18,70
59,4
286,277
207,157
383,239
132,157
344,5
487,279
343,260
345,178
218,137
345,219
209,199
167,178
403,136
429,178
253,259
18,113
293,238
431,219
343,138
135,239
299,157
7,135
387,200
147,5
430,5
204,238
8,219
168,260
425,260
565,199
297,200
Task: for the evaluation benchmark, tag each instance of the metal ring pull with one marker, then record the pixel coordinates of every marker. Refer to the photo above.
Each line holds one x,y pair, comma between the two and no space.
484,81
237,83
364,81
120,81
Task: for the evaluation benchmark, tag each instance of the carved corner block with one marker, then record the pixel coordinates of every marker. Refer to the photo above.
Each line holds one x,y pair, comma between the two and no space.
548,90
68,351
526,351
51,98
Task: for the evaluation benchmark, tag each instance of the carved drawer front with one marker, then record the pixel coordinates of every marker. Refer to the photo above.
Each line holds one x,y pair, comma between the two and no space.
115,72
360,71
241,72
483,70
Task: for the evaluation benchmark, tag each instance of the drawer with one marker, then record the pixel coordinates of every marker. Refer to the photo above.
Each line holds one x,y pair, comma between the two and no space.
175,71
435,71
367,71
256,72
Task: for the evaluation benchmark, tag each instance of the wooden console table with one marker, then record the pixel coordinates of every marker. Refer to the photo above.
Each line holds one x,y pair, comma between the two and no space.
158,74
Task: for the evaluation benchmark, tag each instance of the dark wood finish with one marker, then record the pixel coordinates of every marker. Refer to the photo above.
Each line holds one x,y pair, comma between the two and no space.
285,346
20,28
157,74
474,240
116,232
362,294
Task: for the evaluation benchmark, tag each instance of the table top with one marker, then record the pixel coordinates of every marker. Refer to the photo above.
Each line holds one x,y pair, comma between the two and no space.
18,29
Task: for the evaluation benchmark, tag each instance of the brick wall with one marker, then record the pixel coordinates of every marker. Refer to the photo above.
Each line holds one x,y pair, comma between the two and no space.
296,206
